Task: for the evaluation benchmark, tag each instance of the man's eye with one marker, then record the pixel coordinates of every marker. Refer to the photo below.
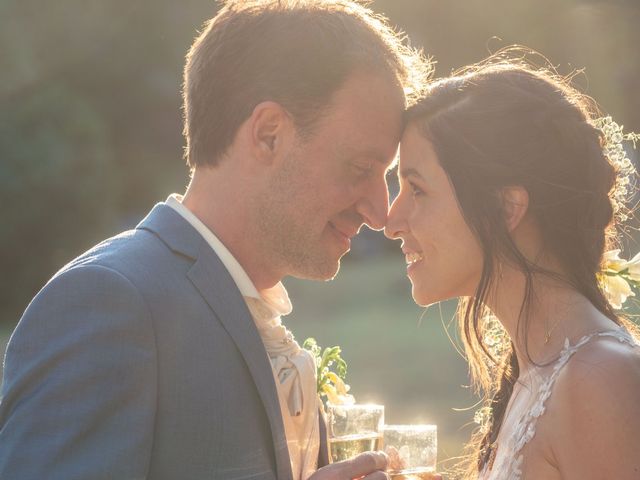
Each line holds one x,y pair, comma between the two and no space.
362,170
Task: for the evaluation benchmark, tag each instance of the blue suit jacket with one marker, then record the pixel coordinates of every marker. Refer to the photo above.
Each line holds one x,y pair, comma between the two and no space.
140,360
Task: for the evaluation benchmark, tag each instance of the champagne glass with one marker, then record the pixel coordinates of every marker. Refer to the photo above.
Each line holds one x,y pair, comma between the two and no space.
412,451
353,429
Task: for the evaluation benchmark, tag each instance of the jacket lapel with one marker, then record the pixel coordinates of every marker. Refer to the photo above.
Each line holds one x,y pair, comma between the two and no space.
225,299
212,280
323,454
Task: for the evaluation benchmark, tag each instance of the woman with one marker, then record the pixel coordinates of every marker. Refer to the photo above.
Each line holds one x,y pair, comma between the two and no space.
508,200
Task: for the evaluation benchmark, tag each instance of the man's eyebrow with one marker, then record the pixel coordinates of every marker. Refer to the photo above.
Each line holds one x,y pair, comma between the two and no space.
409,172
379,158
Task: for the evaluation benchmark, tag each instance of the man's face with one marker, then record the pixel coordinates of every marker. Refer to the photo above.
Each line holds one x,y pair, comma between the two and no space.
333,182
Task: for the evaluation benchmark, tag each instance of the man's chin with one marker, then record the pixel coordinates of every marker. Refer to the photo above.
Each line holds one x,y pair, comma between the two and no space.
322,271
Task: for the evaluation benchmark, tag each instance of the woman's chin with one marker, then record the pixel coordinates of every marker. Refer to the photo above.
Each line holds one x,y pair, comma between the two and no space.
422,298
426,298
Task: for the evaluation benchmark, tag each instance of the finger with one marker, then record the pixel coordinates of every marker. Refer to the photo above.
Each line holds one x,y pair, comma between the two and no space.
376,476
364,464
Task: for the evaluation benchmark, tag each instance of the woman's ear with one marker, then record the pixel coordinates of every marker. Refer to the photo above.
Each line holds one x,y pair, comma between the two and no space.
515,203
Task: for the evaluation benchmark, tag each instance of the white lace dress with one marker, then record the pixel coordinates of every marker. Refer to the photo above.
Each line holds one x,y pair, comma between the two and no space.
519,425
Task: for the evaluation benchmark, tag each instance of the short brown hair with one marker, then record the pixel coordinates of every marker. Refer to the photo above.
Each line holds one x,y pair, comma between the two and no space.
294,52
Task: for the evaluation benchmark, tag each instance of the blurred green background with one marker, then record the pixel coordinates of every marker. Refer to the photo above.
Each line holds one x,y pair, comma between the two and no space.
90,139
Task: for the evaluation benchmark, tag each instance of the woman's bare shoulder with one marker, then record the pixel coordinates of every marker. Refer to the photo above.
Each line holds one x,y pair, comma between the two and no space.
597,411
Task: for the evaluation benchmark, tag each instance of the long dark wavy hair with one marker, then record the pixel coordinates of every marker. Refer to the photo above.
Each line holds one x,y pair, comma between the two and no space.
501,123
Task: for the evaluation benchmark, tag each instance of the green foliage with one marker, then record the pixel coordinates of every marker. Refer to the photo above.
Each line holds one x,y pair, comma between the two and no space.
325,360
55,184
90,103
89,128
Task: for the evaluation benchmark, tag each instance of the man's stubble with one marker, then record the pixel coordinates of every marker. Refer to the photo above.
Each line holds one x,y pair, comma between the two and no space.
292,236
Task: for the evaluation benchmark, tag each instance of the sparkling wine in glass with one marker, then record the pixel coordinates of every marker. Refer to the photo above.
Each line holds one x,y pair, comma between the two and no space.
412,451
354,429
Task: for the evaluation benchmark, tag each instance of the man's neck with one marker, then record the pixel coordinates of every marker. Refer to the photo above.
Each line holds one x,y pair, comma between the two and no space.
234,229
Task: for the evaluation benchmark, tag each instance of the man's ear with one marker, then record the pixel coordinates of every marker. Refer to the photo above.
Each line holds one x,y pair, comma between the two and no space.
515,203
270,127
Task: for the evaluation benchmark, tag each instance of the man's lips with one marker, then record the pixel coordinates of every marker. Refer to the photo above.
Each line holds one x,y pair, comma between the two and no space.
343,235
347,233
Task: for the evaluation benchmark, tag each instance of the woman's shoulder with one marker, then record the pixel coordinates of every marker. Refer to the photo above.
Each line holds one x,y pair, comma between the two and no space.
605,360
596,403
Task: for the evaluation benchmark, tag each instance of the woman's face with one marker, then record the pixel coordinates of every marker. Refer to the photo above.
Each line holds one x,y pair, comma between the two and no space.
444,259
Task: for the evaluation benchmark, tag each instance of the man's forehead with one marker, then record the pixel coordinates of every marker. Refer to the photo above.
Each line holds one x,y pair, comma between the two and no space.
384,156
362,94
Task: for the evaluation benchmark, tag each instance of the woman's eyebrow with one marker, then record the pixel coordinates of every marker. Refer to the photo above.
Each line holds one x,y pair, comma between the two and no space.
408,172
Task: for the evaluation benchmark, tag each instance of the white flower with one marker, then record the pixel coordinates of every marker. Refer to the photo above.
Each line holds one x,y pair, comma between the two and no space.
494,336
482,417
633,267
616,289
612,261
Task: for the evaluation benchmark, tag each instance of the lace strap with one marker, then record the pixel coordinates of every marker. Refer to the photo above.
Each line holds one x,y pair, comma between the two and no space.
619,334
527,425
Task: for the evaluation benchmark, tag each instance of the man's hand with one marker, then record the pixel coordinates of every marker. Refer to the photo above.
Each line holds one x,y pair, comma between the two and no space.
366,466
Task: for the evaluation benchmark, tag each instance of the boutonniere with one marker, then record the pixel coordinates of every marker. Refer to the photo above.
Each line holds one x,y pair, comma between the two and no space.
331,371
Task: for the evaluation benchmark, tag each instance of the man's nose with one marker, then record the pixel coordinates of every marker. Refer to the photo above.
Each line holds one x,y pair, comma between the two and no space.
374,205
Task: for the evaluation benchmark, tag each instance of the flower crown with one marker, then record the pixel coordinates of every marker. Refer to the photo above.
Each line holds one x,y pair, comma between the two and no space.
613,137
618,275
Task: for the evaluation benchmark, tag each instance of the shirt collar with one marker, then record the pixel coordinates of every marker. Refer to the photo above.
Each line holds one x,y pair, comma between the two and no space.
275,296
240,277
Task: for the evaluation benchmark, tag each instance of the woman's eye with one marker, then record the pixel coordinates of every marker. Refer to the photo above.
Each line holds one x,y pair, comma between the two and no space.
415,190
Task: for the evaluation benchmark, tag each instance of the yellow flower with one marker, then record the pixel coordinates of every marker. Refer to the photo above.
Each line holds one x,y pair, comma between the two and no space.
329,383
341,387
337,392
331,393
616,289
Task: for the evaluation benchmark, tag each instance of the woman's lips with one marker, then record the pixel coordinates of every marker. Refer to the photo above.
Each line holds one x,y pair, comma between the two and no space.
412,258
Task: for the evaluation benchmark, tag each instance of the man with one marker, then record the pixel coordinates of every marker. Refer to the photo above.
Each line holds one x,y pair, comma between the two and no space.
160,353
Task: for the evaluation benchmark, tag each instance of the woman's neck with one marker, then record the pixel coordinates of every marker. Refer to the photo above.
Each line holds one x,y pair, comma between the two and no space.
556,312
